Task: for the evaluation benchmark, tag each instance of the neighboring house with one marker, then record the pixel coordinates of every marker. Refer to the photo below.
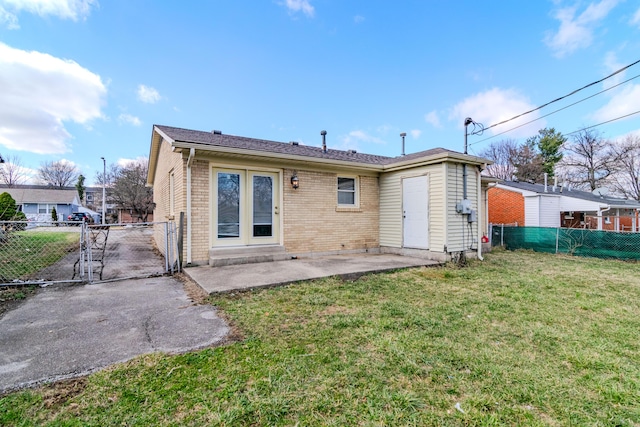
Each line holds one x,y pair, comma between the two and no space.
93,200
37,202
537,205
238,192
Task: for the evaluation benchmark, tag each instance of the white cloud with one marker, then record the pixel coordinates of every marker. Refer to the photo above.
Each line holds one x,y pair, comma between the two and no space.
64,9
358,19
576,32
496,105
415,133
129,119
148,94
623,102
433,119
303,6
356,136
124,162
612,64
40,93
636,18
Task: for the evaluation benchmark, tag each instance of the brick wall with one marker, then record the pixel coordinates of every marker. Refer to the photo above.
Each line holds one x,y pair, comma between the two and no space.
505,207
314,223
168,162
200,210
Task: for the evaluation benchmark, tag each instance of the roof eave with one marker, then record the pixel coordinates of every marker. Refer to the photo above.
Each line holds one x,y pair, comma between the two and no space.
437,158
157,136
270,155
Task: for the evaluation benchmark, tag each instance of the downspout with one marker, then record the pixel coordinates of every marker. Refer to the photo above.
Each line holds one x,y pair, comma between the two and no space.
600,212
480,216
192,153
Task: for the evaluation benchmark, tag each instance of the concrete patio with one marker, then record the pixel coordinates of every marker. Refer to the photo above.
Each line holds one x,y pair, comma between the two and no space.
266,274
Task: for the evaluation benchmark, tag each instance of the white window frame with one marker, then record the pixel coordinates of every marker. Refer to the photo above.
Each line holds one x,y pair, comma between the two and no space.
356,192
47,206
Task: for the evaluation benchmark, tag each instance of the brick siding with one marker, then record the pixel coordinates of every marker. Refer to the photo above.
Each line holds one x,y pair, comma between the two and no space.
313,222
505,207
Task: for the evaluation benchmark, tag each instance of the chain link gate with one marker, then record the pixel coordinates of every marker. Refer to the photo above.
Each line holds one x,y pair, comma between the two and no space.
37,253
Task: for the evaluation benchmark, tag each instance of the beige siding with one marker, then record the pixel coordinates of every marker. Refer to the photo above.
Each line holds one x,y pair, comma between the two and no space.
461,234
391,206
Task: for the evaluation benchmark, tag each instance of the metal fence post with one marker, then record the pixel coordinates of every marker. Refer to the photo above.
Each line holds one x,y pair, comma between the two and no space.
502,235
166,247
87,249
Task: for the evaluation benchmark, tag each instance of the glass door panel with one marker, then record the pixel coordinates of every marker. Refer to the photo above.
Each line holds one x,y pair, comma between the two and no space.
262,206
228,205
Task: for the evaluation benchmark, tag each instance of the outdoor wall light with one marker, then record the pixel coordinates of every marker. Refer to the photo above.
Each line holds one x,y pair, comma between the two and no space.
295,182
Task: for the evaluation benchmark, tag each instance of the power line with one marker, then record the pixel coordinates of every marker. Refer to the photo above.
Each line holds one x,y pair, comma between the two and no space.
565,96
604,123
555,111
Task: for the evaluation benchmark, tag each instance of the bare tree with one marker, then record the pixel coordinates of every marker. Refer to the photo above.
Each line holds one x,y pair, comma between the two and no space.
626,179
589,160
130,192
529,163
503,154
58,174
12,172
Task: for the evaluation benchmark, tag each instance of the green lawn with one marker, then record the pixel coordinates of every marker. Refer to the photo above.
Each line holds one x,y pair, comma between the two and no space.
26,252
520,339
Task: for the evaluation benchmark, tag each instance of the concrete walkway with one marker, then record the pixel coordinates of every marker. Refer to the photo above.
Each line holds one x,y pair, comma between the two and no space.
249,276
66,332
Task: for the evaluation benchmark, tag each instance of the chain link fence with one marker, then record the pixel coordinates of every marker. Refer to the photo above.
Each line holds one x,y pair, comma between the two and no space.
573,241
33,252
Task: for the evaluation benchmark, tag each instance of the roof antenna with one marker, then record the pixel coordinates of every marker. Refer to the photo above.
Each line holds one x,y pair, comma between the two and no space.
403,134
324,140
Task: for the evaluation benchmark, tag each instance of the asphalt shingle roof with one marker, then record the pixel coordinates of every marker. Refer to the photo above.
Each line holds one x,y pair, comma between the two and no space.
578,194
240,142
32,194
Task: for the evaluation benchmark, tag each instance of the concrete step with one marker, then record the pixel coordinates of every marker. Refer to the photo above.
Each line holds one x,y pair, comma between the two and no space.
220,257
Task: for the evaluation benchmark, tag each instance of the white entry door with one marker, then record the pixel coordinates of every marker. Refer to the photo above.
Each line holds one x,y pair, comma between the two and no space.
246,210
415,212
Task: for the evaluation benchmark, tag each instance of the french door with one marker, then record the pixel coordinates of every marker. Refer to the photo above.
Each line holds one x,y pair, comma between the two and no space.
246,207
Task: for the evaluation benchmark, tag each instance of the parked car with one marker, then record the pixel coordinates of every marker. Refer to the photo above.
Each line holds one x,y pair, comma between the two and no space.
80,216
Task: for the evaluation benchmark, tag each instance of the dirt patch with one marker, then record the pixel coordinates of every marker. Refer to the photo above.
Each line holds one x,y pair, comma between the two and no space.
58,394
194,291
12,297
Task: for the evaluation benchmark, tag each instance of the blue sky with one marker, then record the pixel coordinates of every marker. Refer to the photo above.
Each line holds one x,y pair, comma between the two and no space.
82,79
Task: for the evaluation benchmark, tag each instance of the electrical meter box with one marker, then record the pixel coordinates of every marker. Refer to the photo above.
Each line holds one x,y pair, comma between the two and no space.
464,207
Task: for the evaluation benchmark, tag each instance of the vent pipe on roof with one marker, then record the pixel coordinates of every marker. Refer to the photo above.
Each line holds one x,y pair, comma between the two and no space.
324,140
546,177
403,134
217,132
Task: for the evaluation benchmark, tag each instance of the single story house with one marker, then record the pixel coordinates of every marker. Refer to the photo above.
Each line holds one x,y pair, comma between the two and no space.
244,193
37,202
539,205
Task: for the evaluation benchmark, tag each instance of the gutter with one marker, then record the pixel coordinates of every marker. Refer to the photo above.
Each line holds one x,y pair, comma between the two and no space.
192,153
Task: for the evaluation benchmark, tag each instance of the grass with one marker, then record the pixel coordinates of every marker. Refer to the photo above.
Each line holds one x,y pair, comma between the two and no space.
520,339
26,252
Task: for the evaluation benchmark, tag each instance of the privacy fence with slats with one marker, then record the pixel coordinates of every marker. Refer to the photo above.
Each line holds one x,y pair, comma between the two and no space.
32,252
574,241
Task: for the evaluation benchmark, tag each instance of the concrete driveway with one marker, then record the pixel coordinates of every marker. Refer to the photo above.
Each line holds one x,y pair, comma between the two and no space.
65,332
